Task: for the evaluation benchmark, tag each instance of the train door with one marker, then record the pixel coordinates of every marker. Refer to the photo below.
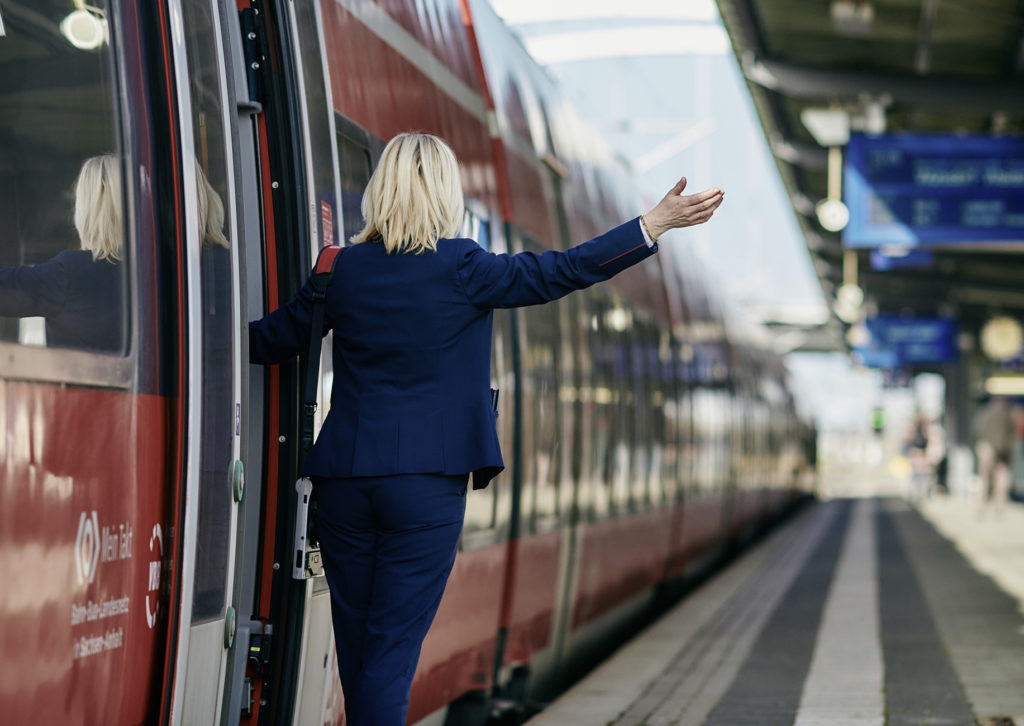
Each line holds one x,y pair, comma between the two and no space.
215,474
262,134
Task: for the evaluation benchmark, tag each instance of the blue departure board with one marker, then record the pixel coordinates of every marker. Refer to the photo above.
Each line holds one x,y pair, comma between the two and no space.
899,342
913,189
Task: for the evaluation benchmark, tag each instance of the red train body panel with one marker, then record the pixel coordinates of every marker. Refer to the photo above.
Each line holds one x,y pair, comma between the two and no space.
533,595
83,513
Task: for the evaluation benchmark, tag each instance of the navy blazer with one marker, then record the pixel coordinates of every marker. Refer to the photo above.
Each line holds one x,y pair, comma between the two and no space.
81,299
412,348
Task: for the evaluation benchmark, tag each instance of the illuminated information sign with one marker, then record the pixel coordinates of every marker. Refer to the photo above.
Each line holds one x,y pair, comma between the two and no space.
911,190
898,342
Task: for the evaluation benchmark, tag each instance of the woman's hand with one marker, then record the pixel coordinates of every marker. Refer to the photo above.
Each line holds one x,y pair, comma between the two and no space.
675,210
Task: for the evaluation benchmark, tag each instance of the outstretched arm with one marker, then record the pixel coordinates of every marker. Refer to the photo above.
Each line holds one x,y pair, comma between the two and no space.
510,281
504,281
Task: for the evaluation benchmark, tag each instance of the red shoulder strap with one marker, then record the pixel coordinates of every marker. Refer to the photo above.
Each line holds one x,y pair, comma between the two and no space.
325,262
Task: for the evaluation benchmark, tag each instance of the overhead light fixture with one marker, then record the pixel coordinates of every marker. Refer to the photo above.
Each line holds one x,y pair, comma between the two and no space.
3,31
849,303
873,120
850,295
1005,386
853,17
828,126
85,27
832,214
858,336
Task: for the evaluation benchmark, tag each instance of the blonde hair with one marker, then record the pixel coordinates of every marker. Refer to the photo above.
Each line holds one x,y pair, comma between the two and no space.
414,197
98,207
211,212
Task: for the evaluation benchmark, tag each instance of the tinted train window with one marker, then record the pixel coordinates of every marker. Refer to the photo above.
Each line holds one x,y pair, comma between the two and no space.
62,251
476,227
317,120
489,511
542,410
354,167
216,271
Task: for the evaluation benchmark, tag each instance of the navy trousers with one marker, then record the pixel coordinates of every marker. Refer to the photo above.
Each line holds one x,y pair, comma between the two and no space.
388,546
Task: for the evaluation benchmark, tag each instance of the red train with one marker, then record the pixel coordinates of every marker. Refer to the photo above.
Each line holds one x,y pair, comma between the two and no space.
147,493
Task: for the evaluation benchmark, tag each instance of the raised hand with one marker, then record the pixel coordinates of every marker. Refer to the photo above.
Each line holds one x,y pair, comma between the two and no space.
676,211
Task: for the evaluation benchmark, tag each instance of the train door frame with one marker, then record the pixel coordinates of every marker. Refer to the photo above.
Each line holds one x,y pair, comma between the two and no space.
194,641
261,667
248,141
250,231
312,677
263,48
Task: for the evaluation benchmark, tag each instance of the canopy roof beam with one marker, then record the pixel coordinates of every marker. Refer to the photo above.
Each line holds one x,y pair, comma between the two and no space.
798,81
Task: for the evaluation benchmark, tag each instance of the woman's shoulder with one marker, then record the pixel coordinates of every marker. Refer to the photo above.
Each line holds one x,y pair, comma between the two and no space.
458,247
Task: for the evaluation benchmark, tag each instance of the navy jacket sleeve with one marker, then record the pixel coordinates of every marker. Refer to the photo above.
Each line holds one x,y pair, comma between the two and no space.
284,333
508,281
33,290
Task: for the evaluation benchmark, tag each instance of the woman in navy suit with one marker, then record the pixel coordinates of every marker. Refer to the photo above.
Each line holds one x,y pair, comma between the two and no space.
411,417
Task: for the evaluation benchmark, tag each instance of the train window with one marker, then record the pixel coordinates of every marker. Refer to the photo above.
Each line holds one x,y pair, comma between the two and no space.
475,225
542,410
216,269
354,167
602,392
586,463
488,512
623,396
573,427
62,253
316,121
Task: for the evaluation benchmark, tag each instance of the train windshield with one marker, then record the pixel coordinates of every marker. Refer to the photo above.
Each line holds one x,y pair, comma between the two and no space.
62,251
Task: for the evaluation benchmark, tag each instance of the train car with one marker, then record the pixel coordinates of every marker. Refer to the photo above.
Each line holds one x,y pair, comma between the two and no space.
147,473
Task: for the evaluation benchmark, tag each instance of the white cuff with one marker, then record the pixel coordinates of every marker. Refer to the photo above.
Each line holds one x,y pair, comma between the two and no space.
643,230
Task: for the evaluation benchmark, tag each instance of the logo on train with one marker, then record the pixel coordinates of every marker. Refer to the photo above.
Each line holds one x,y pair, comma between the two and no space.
95,545
87,547
156,546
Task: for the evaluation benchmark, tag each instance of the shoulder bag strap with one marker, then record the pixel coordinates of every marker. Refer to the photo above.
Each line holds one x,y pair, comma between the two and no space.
321,280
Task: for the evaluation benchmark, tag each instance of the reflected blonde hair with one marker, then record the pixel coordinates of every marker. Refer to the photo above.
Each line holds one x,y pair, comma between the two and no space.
98,207
211,212
414,197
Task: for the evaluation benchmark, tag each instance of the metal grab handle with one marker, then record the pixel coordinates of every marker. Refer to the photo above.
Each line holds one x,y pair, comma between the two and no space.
306,562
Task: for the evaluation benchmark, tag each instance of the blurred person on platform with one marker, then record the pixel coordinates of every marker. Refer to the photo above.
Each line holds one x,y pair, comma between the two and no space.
922,447
1017,455
992,431
878,421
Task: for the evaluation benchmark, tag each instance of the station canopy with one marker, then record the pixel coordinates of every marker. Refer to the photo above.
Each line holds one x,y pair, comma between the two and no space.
937,85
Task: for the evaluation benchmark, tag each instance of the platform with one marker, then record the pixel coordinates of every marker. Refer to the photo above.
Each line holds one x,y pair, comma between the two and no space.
856,612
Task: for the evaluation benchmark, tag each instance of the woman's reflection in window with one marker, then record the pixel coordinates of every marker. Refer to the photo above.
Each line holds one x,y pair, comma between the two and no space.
80,293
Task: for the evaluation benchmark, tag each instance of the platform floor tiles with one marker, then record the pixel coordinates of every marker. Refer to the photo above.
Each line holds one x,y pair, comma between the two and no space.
856,612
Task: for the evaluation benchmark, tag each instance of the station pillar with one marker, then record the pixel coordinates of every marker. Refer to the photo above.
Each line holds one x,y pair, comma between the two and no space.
959,406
